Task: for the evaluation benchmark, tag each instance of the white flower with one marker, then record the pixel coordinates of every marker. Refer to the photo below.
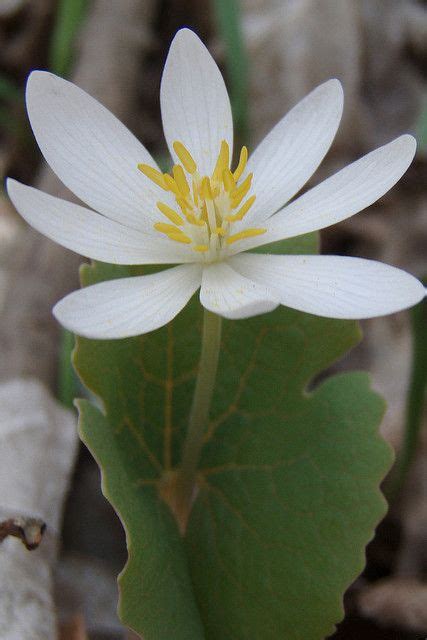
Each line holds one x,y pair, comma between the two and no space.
204,215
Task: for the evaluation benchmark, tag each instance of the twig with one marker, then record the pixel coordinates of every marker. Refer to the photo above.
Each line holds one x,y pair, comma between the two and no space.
29,530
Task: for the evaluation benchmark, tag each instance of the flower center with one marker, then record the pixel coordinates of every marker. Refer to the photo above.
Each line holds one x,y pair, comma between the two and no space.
207,208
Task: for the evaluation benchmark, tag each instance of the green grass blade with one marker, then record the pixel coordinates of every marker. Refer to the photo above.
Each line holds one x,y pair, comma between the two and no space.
70,14
229,25
421,129
9,91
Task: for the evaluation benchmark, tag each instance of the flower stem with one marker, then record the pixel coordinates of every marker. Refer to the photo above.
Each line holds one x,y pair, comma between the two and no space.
211,339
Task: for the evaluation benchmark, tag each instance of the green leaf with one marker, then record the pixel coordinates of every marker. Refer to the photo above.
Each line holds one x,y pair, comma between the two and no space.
288,492
156,592
415,401
67,380
284,513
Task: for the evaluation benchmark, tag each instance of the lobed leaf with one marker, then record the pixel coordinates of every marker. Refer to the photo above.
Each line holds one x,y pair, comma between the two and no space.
288,487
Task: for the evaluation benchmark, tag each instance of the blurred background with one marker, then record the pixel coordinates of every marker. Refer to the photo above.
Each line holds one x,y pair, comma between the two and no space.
272,53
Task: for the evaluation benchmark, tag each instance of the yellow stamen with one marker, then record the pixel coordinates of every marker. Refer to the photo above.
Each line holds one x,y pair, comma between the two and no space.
238,195
204,214
171,185
228,180
180,237
181,180
248,233
193,220
172,232
195,194
185,156
172,215
183,204
153,175
242,211
163,227
242,163
210,207
211,202
223,161
206,190
190,217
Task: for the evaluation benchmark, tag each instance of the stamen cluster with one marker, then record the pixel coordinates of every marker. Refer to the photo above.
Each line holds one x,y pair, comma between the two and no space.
207,207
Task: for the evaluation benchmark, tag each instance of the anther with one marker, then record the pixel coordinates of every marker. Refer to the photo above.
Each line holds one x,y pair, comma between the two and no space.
242,211
241,191
242,235
172,232
185,156
171,184
163,227
228,180
193,220
195,194
154,175
180,237
242,163
184,205
204,213
172,215
223,161
206,190
181,180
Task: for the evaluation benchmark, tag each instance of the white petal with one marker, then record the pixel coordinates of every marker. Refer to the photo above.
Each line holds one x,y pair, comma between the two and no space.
293,150
228,294
128,306
91,151
333,286
90,234
342,195
194,101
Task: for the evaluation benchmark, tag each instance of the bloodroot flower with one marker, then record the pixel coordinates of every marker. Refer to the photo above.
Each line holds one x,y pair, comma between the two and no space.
205,215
